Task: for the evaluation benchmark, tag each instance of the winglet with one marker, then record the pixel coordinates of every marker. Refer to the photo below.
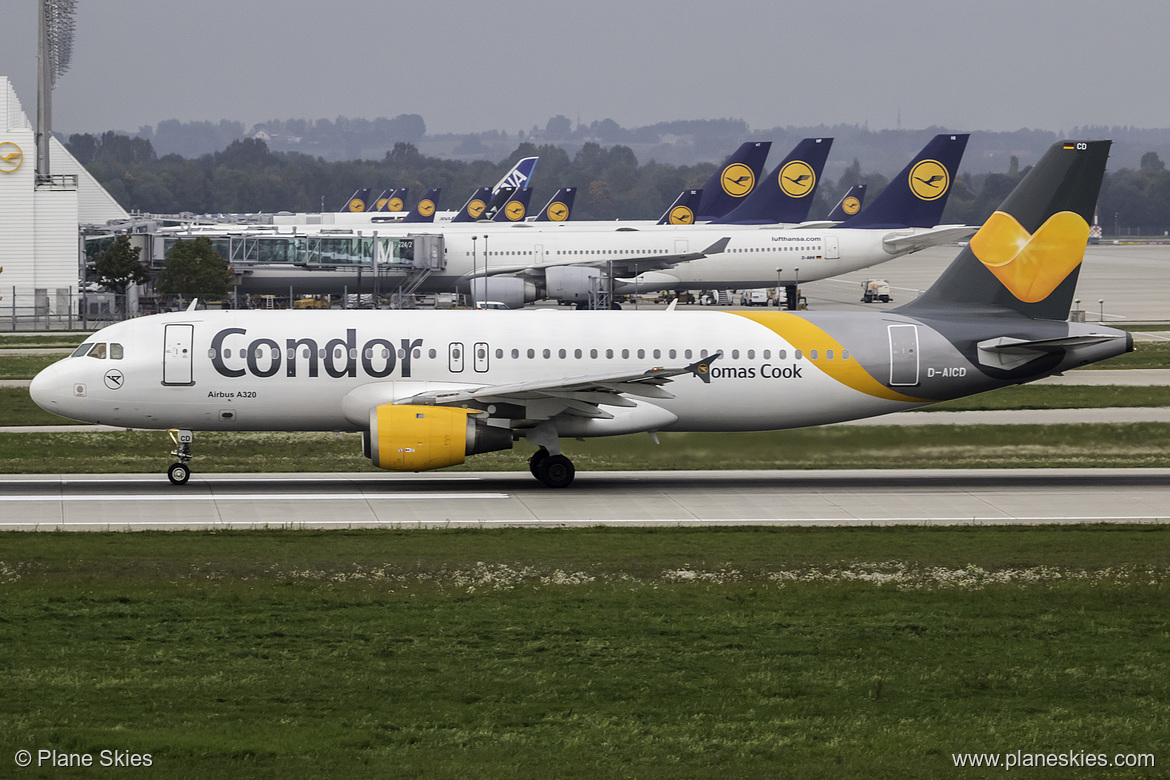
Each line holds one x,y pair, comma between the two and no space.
702,368
718,247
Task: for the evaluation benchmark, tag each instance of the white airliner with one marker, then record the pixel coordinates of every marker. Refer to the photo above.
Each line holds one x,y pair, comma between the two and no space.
428,388
520,263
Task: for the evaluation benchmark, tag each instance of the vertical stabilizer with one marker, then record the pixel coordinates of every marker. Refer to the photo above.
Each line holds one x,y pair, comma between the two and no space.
560,206
357,202
682,211
475,206
917,196
424,210
1027,255
786,194
733,181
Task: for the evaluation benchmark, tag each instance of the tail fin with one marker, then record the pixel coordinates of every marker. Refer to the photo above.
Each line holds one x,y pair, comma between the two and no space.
357,202
397,200
560,206
734,180
515,209
475,206
682,211
424,210
496,203
379,203
1027,256
787,193
849,204
917,196
518,176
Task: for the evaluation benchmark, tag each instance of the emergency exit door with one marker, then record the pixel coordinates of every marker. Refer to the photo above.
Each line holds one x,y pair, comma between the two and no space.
177,357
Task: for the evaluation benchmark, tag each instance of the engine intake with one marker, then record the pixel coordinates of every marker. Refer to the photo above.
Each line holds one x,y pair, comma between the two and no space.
419,438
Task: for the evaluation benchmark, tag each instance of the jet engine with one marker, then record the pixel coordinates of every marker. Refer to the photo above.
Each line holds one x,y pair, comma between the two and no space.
420,438
512,291
571,282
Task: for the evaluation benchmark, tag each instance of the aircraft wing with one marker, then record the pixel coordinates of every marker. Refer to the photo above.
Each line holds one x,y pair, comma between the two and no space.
924,239
621,265
581,396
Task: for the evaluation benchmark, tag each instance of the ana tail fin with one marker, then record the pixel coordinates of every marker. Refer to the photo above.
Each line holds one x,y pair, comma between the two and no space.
917,196
1027,256
787,193
519,175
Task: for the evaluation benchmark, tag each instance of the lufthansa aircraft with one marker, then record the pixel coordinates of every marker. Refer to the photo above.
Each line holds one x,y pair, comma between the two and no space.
428,388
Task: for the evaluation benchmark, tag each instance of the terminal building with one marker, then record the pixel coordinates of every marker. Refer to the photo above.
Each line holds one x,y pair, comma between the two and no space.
41,219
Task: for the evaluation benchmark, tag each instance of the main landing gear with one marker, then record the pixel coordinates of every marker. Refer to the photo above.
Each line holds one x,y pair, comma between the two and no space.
553,470
180,472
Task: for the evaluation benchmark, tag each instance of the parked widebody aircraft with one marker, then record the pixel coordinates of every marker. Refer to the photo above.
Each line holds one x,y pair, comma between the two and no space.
525,262
428,388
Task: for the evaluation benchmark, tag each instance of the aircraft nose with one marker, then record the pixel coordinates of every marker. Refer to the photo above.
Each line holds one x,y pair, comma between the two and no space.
46,389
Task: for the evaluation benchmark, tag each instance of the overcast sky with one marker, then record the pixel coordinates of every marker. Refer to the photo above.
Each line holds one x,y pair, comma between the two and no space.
474,66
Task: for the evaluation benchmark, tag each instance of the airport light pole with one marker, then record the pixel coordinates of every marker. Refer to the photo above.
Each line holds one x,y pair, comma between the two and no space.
485,271
471,286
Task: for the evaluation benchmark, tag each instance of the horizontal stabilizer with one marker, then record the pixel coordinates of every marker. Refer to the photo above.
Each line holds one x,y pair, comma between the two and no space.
943,234
1007,352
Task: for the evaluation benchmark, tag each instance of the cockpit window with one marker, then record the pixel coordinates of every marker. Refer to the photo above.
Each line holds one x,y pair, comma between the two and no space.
98,351
83,349
115,351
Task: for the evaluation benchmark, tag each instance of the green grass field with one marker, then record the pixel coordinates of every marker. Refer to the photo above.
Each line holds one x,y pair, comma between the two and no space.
598,653
928,446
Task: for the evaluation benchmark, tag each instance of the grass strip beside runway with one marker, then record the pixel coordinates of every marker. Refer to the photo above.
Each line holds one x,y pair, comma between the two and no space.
859,653
861,447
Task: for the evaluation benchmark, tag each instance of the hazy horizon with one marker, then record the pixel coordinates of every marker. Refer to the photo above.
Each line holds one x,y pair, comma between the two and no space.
998,66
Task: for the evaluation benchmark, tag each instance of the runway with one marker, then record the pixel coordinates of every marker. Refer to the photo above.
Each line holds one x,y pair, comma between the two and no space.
647,498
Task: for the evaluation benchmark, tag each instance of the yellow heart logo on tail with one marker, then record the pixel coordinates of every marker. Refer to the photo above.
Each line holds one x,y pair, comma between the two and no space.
1031,266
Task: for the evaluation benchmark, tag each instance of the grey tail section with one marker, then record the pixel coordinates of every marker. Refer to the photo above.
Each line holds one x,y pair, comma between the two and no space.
1026,257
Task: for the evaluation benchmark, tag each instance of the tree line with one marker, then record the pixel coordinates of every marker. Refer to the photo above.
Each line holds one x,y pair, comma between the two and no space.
247,177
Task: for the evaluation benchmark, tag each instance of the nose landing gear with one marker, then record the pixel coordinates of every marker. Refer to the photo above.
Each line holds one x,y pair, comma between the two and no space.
180,472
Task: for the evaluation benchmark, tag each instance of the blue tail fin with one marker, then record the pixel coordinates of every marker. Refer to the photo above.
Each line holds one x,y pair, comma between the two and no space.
519,175
497,202
357,202
515,209
424,210
787,193
682,211
379,203
396,201
917,196
734,180
849,205
475,206
560,207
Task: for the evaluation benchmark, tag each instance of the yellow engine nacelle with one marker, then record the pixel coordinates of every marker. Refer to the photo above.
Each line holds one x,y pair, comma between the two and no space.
420,438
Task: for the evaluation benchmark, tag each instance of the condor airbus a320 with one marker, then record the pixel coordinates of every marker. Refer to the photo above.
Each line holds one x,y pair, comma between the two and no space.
428,388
